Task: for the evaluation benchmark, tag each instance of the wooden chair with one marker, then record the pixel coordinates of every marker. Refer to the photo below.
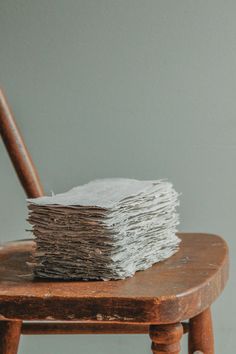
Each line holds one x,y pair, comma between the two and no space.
155,301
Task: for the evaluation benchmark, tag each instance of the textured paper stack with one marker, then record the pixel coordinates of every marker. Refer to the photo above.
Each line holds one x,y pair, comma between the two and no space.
106,229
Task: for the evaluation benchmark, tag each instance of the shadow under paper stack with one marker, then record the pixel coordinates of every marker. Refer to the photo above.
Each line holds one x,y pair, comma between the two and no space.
106,229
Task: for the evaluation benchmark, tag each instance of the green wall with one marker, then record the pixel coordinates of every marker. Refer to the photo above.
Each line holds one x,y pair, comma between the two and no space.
132,88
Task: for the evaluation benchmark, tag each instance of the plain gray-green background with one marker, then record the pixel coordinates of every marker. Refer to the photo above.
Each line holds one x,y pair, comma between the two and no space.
134,88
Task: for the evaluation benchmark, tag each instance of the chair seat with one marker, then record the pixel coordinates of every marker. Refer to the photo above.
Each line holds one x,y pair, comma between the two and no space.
170,291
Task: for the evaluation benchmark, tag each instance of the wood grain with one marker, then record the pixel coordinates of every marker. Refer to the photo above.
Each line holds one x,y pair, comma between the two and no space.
35,328
17,151
166,338
171,291
201,333
9,336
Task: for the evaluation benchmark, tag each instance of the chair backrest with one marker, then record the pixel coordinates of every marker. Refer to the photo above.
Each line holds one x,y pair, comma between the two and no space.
18,151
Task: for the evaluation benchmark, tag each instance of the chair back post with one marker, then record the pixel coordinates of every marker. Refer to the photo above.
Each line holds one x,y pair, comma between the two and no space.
18,152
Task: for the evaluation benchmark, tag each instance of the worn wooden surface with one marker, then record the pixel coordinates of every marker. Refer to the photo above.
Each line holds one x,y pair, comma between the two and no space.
17,151
35,328
166,338
176,289
9,336
201,333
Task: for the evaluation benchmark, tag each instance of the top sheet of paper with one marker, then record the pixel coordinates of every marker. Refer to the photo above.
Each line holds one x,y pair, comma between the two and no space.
103,193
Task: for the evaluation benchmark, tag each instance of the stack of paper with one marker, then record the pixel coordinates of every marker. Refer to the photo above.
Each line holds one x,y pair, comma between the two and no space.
106,229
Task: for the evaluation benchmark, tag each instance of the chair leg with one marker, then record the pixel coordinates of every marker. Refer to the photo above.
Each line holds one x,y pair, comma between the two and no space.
166,338
9,336
200,336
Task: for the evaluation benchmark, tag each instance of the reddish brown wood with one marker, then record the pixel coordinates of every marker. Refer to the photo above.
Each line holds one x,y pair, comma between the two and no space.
83,328
18,152
9,336
171,291
29,328
201,333
166,338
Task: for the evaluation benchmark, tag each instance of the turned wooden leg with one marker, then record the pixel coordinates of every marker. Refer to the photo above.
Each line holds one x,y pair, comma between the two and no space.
9,336
166,338
200,336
